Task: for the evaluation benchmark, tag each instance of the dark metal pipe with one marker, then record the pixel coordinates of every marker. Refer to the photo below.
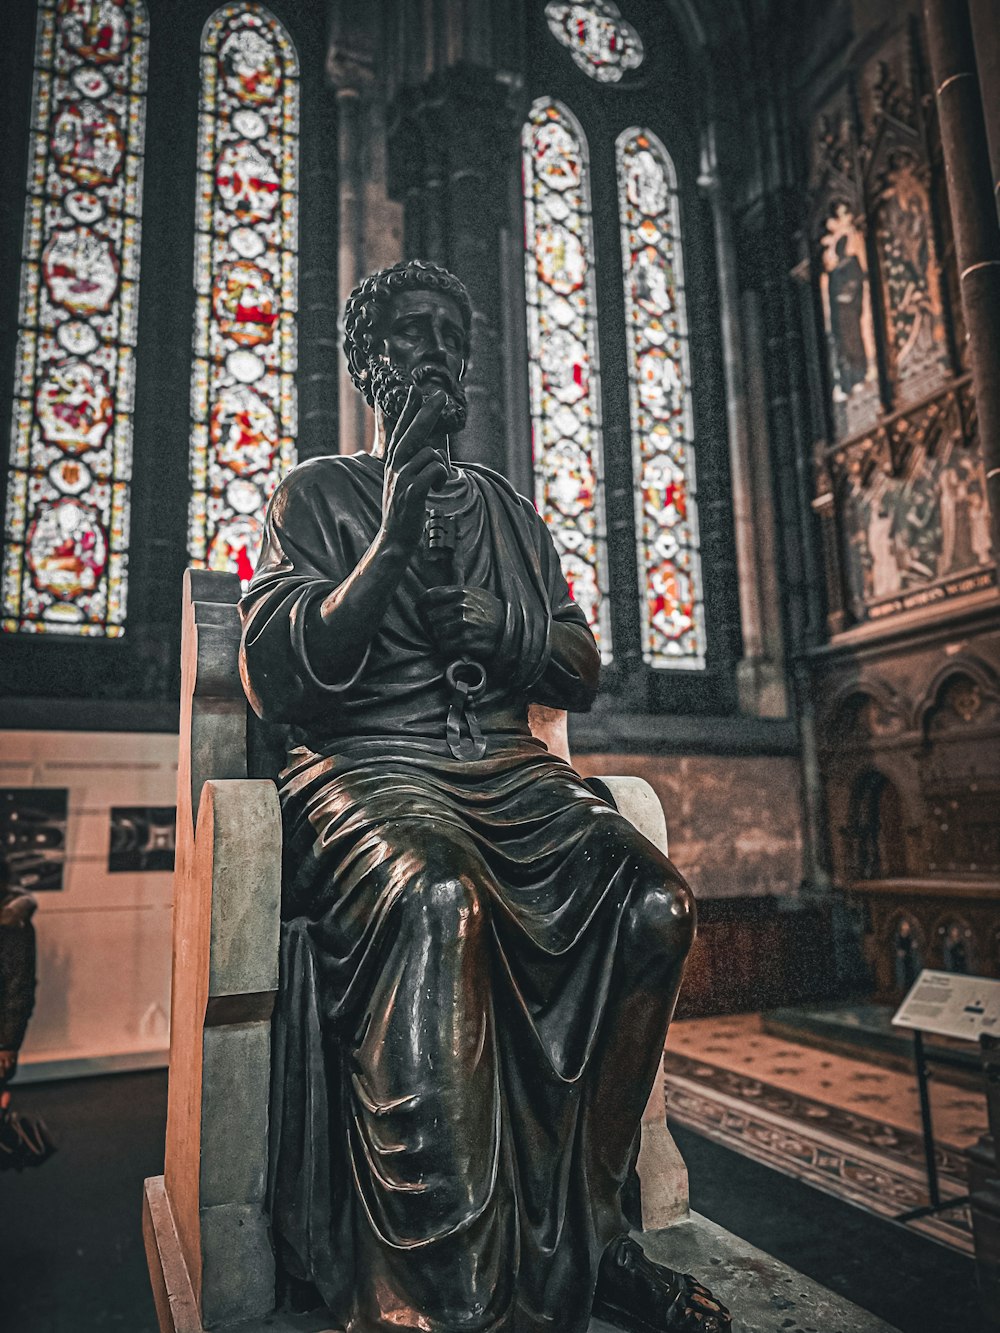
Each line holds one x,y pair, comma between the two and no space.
977,237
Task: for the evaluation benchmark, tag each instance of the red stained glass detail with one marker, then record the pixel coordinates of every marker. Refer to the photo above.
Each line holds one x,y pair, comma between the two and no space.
97,30
67,549
666,514
65,555
243,389
601,43
80,270
87,143
562,344
74,406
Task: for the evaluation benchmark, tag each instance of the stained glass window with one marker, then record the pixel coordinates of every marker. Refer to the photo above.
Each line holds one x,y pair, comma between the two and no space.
65,554
243,401
666,514
599,40
562,345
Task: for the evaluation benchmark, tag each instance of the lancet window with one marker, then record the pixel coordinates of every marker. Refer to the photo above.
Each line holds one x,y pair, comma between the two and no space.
65,554
666,514
243,396
563,357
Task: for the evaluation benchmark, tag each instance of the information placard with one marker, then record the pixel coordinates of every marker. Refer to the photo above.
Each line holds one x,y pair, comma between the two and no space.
951,1005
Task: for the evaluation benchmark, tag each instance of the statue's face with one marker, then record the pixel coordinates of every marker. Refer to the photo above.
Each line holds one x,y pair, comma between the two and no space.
423,344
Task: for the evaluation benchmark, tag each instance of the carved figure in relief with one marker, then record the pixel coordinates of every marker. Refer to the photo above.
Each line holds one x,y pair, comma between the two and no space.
847,301
910,277
847,312
907,960
886,577
965,523
479,955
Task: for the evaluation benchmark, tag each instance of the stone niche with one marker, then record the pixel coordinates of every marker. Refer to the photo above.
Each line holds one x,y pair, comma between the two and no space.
910,753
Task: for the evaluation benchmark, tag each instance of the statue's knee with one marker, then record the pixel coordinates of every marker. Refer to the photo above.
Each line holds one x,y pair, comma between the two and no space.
450,902
661,917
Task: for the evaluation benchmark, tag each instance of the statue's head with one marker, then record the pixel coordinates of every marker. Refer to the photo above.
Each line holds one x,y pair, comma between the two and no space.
409,324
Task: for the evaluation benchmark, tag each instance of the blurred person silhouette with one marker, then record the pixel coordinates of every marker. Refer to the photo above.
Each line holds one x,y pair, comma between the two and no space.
24,1140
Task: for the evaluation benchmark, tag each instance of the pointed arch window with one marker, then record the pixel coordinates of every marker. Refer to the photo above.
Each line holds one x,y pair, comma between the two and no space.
65,555
243,396
564,370
671,601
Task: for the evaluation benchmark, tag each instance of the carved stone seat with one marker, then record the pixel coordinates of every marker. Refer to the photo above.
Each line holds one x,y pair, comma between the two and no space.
225,976
204,1220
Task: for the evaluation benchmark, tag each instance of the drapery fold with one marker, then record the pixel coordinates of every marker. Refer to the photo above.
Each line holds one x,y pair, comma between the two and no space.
479,956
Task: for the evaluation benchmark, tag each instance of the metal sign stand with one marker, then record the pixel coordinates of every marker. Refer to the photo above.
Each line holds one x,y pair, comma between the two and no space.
952,1005
937,1204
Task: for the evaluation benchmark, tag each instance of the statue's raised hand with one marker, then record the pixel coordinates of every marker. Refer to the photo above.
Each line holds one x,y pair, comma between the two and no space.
465,621
413,467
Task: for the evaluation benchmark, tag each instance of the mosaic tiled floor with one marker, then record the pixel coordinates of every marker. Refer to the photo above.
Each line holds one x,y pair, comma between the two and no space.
844,1125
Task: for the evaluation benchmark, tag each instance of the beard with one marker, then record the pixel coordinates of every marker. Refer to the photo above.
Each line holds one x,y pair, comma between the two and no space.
390,387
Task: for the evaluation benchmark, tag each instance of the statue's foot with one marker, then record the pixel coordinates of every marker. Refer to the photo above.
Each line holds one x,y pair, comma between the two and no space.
645,1297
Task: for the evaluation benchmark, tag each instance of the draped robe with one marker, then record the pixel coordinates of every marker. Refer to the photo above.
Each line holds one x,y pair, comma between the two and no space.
479,957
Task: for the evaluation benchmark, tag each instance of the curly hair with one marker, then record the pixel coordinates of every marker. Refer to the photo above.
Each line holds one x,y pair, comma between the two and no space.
366,308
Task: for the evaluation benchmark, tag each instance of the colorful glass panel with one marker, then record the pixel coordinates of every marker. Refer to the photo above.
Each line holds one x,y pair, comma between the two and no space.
599,40
666,514
562,346
243,400
65,558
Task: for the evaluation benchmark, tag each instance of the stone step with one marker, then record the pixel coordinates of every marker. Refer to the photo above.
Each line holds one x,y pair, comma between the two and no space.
765,1296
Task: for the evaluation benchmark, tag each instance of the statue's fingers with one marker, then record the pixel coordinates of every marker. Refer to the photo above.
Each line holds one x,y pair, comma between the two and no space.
405,420
424,470
415,436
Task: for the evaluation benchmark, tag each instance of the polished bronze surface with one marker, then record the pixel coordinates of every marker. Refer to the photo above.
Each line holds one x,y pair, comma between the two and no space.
479,955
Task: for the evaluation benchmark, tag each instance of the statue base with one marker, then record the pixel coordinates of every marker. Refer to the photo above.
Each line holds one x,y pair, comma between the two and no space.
765,1296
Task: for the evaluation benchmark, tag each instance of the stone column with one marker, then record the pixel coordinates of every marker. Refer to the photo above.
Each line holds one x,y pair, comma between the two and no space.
350,253
450,153
759,674
318,337
370,224
977,238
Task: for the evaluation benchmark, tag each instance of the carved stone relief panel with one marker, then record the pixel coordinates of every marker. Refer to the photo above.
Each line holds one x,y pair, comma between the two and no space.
959,771
896,163
841,249
901,488
912,510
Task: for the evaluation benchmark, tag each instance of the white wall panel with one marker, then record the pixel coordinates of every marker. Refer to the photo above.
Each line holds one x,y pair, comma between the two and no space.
104,939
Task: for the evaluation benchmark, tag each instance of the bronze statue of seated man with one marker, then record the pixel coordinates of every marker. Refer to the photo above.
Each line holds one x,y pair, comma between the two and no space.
479,955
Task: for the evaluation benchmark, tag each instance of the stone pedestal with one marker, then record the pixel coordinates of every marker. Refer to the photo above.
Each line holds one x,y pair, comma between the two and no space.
766,1296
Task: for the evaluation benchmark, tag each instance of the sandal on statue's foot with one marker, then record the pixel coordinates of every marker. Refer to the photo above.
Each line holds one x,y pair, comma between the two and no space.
637,1294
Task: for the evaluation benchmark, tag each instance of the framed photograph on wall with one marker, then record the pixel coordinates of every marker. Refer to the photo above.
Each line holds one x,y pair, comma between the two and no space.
33,836
142,838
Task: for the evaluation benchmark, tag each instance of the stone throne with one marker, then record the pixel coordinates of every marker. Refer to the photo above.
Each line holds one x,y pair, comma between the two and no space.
205,1224
204,1219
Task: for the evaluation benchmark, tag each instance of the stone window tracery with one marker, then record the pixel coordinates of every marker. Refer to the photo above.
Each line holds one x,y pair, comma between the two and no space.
66,530
565,386
243,394
601,43
663,470
563,359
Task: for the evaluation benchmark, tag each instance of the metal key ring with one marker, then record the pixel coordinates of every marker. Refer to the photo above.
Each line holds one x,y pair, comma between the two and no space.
473,686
